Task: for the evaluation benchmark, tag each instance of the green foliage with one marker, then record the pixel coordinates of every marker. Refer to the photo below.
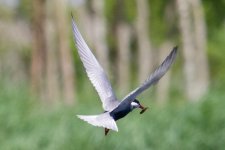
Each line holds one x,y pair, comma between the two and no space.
157,20
110,7
24,9
216,56
124,10
27,124
214,14
130,10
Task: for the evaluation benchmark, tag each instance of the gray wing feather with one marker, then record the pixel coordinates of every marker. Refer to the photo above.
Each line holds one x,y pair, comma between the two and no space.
154,77
95,72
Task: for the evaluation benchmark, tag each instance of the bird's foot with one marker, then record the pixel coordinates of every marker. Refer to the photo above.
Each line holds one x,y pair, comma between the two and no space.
106,131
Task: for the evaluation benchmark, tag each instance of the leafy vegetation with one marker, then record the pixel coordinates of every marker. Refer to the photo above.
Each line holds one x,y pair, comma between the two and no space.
216,59
28,124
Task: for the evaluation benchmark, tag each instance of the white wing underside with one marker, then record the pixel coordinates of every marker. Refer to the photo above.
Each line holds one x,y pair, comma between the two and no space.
95,72
103,120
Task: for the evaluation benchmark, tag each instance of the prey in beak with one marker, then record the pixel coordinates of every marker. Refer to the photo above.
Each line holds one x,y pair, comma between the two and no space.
136,104
143,109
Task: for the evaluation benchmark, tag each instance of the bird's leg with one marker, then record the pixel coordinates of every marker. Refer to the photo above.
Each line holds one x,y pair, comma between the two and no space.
143,109
106,131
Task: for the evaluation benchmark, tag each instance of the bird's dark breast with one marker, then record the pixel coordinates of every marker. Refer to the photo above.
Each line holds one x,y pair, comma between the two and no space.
120,112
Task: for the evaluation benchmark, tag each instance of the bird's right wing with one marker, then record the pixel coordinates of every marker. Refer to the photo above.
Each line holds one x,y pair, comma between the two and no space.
95,72
154,77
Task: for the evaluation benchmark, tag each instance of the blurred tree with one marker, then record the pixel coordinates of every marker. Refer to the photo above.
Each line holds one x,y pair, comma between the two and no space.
188,47
167,23
38,66
99,32
159,25
53,73
123,46
123,41
215,14
195,63
151,18
66,64
200,38
144,42
51,56
24,9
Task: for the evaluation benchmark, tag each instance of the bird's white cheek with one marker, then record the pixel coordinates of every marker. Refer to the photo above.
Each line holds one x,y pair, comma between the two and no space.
134,105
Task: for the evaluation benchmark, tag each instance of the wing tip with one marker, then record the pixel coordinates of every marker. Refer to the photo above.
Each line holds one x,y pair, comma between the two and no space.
175,49
71,14
72,18
172,54
116,129
79,116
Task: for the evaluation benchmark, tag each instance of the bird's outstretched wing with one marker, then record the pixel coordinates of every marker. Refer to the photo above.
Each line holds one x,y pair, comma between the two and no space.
95,72
153,78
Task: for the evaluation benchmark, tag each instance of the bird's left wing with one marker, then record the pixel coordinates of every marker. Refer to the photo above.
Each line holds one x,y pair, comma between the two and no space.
95,72
154,77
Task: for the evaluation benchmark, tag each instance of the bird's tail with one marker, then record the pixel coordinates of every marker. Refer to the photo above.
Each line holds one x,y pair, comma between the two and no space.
102,120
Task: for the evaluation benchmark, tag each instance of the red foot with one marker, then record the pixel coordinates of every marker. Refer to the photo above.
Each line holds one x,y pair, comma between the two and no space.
106,131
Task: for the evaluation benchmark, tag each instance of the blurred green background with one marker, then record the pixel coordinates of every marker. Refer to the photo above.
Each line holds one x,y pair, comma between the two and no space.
43,84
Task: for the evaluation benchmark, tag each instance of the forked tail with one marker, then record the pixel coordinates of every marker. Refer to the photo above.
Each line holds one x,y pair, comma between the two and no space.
102,120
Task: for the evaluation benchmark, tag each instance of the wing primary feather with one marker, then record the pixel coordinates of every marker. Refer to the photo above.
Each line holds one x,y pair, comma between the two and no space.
154,77
94,71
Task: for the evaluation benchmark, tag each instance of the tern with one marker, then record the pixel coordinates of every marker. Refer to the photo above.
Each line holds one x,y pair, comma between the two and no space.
113,108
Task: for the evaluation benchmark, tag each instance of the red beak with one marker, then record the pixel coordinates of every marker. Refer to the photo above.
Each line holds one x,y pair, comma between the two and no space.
140,106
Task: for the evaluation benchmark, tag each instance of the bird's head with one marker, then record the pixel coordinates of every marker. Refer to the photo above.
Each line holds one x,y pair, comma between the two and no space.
136,104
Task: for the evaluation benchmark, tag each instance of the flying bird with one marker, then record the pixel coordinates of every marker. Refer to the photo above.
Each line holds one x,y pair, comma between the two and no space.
113,108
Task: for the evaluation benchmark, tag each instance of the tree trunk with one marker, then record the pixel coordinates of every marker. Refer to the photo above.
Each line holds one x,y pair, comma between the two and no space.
67,67
188,48
99,29
144,45
123,41
194,40
53,83
200,40
38,64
